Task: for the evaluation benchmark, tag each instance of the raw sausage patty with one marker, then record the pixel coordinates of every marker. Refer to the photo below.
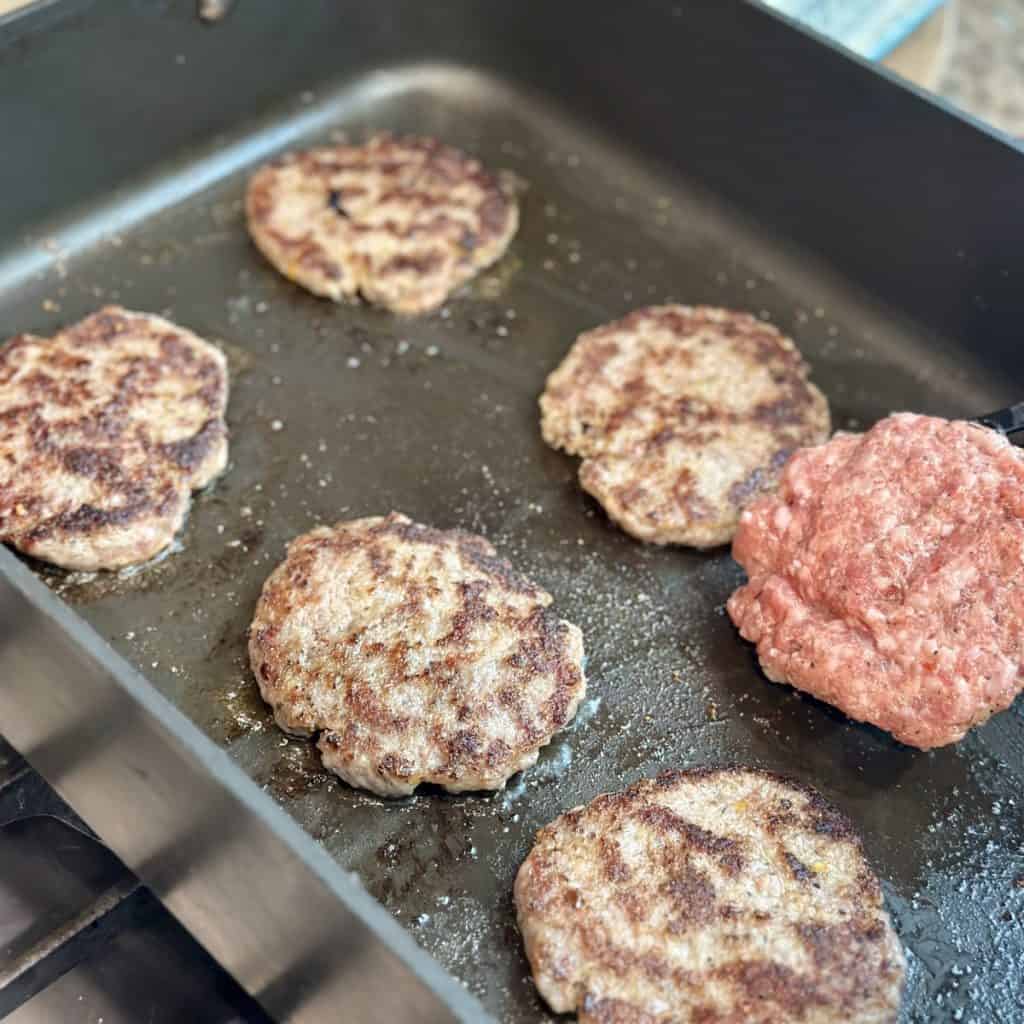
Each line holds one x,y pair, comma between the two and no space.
417,654
401,222
682,415
887,576
710,896
105,431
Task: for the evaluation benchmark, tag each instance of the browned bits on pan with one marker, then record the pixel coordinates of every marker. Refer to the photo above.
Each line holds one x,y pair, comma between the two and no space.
682,415
401,222
417,653
105,430
719,894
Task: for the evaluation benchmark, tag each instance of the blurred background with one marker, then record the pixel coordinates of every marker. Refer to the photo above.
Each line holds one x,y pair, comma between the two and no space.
969,51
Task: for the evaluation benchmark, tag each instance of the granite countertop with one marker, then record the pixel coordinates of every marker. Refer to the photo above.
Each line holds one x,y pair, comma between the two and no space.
983,69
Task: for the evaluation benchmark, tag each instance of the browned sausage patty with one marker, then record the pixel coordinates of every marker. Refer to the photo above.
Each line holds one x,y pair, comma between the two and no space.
105,430
682,415
401,222
710,896
417,654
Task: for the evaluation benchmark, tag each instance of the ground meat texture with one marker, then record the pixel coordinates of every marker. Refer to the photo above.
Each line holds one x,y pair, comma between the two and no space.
401,222
683,415
886,576
708,896
106,429
417,655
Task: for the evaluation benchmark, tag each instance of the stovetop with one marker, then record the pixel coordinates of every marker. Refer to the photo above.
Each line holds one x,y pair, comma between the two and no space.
82,941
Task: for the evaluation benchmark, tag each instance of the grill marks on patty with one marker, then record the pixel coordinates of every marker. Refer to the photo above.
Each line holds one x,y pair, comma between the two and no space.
710,896
105,430
682,415
402,222
417,654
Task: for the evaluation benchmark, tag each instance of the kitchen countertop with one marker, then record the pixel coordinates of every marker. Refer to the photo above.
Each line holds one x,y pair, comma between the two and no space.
984,70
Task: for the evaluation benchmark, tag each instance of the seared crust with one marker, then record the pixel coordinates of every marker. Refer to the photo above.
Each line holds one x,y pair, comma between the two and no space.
682,415
105,430
402,222
709,896
417,654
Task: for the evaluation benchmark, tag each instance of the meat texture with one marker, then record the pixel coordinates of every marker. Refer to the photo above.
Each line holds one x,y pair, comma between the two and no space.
105,431
417,655
709,896
682,415
887,576
401,222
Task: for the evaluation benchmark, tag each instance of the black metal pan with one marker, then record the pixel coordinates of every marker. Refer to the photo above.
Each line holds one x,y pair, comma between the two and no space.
702,152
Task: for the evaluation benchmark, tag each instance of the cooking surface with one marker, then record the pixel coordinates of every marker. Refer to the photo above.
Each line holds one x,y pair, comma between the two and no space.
344,411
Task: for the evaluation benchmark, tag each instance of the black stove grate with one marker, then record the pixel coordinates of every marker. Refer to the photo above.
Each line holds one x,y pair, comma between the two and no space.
81,939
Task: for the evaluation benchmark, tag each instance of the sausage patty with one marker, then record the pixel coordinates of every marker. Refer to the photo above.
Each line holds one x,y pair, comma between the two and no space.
887,576
401,222
105,430
709,896
682,416
417,654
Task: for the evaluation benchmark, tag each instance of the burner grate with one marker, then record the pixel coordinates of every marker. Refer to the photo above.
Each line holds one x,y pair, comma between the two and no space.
81,939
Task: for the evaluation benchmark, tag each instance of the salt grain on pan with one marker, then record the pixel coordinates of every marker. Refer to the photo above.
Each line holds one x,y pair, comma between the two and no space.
352,362
276,425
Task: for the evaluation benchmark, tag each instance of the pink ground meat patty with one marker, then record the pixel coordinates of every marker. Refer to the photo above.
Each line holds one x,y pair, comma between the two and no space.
887,576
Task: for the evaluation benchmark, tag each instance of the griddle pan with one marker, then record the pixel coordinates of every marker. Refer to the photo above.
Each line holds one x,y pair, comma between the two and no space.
699,152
